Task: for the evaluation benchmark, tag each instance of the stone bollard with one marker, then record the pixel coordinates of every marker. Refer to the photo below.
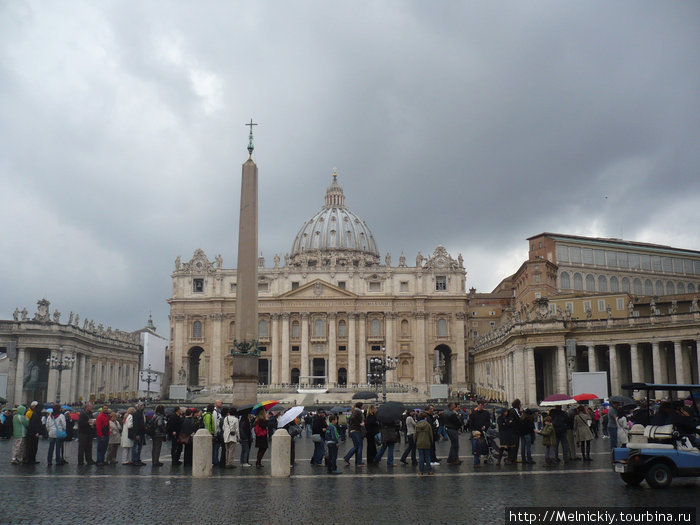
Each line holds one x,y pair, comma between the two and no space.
281,452
201,454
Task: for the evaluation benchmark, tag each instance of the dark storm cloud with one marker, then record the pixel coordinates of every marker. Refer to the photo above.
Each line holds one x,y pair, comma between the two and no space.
472,125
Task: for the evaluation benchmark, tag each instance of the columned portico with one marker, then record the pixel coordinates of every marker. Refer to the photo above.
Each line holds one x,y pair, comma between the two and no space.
305,348
352,350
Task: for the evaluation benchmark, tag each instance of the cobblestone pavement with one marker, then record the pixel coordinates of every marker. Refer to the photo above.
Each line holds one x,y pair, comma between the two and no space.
456,494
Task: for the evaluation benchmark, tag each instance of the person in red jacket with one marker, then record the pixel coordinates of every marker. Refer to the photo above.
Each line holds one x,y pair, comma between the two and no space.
102,430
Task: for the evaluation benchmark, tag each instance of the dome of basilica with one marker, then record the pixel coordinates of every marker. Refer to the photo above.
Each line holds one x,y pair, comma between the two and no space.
334,235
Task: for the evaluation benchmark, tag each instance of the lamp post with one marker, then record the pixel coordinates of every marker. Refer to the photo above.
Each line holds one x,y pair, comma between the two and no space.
379,366
148,376
60,362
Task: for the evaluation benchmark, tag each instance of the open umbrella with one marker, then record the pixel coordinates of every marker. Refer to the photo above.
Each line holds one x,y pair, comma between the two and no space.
390,411
340,410
586,397
267,405
365,394
244,409
623,400
557,399
74,416
66,407
289,416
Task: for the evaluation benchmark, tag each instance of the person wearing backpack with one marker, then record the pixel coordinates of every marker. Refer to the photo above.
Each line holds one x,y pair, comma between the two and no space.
231,434
332,438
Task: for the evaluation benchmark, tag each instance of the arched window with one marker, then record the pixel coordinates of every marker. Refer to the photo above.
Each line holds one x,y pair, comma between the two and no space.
262,329
648,287
197,330
442,328
659,288
565,281
691,288
670,288
681,288
404,327
578,282
590,283
614,285
319,328
602,283
625,284
295,329
637,286
342,328
375,328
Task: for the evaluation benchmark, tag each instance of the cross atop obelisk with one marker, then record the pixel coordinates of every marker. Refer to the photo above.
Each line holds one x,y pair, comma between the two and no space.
250,138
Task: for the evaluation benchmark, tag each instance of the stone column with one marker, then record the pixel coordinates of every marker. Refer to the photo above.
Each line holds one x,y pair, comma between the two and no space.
285,376
362,354
614,370
305,347
531,384
391,349
681,377
275,364
332,351
697,358
80,377
52,386
217,349
19,376
659,377
636,369
592,361
352,362
561,370
460,379
419,370
519,372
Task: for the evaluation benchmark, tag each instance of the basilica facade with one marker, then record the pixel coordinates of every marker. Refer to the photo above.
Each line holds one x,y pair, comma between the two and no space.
325,308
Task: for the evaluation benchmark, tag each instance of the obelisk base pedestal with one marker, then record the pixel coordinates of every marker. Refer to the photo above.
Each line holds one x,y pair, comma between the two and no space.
245,379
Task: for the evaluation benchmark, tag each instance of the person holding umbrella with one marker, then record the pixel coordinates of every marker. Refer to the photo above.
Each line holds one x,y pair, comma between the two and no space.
389,417
260,430
290,422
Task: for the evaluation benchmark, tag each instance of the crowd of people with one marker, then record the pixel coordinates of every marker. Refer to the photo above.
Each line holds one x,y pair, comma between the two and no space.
498,434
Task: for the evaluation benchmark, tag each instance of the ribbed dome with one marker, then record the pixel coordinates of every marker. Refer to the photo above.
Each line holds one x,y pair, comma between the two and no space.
335,231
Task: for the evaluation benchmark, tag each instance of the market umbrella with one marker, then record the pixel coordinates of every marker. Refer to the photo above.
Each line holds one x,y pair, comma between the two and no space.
289,416
340,410
557,399
267,405
586,397
390,411
623,400
365,394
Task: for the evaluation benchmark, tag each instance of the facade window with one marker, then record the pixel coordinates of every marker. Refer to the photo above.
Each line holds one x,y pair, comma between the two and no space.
625,285
648,288
295,285
538,295
688,266
342,328
475,334
586,306
197,330
552,308
295,330
667,264
198,285
601,305
637,283
646,262
599,258
587,255
634,261
233,287
612,259
575,254
262,329
620,303
656,263
622,260
680,288
590,283
562,253
677,265
440,283
538,278
670,288
403,286
341,285
492,312
263,287
578,282
404,327
319,328
295,348
375,328
263,348
691,288
492,323
342,348
375,286
376,348
659,288
570,308
602,283
565,281
442,328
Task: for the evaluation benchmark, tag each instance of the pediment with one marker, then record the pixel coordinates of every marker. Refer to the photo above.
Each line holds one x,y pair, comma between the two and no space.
318,289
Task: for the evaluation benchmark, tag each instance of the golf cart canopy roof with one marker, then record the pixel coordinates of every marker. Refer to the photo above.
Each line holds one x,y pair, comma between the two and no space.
659,386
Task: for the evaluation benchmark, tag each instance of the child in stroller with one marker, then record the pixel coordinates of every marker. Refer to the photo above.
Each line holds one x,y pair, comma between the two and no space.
494,448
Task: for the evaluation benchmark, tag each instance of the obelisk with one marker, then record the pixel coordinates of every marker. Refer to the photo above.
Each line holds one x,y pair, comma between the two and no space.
245,352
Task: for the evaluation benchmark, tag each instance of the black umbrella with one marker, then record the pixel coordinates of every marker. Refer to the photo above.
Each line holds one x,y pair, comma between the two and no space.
623,400
244,409
390,412
365,394
340,410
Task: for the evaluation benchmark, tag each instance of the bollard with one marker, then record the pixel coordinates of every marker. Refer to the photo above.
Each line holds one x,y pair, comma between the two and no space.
201,454
281,451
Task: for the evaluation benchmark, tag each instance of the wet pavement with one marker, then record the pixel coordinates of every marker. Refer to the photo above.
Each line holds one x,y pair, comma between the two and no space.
375,494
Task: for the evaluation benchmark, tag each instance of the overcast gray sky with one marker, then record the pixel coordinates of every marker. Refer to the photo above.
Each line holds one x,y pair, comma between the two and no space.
468,124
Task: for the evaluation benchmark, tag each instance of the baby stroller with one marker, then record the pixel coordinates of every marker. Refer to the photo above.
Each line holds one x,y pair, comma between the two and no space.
494,449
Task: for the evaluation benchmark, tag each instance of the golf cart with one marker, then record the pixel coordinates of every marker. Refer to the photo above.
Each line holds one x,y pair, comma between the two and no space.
658,453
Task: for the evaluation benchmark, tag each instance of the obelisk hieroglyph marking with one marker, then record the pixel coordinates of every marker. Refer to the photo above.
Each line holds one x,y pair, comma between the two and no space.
245,353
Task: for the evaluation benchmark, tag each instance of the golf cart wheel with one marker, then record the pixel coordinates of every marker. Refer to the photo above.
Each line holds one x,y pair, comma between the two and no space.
659,476
632,479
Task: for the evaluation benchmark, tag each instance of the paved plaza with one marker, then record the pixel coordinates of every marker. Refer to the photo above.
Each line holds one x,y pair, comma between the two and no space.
456,494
